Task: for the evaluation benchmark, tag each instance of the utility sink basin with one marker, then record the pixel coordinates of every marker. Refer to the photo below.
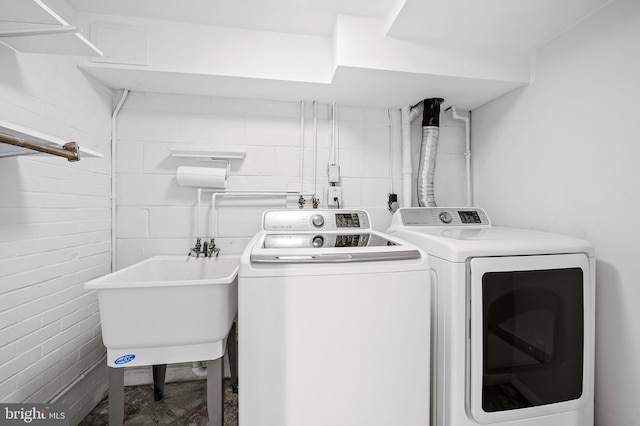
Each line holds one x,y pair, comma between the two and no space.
168,309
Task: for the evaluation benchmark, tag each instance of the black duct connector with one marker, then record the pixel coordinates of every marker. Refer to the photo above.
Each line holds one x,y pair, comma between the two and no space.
431,113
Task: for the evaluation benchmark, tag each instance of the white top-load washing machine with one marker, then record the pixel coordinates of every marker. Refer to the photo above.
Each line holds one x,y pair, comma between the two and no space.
513,320
333,324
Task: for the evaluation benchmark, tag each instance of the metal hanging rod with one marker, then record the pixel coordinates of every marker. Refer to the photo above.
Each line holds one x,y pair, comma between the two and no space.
70,150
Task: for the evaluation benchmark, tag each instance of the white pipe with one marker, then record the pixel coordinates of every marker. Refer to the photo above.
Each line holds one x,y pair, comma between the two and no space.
301,146
199,368
408,114
467,152
248,193
336,131
390,124
114,118
315,145
77,380
331,154
198,213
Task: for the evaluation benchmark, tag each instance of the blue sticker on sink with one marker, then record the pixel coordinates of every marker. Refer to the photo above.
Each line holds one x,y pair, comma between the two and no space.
125,359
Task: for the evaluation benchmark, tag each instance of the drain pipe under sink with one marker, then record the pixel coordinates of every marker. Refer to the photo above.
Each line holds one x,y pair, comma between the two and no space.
199,368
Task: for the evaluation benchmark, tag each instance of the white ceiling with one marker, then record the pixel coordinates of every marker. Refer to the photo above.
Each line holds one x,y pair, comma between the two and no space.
513,24
310,17
467,51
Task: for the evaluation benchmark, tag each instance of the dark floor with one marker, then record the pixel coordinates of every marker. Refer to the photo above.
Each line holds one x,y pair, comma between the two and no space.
184,403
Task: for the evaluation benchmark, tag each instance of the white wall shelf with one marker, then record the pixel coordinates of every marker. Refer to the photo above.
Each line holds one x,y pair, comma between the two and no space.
208,155
29,135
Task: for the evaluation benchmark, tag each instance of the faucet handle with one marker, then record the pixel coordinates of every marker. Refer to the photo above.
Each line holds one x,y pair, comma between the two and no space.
212,248
197,248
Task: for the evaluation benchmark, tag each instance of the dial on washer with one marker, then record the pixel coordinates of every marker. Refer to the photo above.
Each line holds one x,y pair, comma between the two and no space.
317,220
445,217
318,241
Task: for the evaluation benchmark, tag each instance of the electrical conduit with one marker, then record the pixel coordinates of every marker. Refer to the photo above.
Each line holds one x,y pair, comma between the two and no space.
114,118
301,146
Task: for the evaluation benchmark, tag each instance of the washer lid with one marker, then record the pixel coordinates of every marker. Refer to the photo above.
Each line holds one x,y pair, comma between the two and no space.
330,247
458,245
326,240
459,233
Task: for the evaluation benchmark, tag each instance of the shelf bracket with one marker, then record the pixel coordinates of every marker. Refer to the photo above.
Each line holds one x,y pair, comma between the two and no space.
70,150
53,29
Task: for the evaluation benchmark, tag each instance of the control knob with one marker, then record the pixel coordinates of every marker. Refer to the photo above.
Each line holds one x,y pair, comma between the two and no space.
445,217
318,241
317,220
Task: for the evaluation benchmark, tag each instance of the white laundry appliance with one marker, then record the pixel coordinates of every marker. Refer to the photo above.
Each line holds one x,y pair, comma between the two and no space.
333,324
513,320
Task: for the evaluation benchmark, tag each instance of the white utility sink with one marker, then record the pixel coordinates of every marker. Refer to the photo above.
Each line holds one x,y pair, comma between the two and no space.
168,309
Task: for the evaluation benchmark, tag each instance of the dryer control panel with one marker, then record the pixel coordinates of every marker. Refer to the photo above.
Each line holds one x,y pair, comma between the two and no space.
315,220
441,216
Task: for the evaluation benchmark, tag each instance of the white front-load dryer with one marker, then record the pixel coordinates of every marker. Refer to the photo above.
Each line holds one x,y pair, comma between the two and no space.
333,324
513,320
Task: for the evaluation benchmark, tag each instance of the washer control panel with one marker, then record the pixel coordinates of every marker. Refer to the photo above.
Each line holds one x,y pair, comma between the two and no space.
315,220
443,216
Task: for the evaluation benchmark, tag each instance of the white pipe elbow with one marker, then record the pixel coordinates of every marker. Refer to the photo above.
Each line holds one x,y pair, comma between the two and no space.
199,368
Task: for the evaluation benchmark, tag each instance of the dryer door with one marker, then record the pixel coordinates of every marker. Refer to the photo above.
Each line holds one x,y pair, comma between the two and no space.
530,344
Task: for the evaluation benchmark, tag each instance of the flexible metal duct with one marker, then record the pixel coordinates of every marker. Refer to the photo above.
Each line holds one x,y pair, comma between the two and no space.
428,151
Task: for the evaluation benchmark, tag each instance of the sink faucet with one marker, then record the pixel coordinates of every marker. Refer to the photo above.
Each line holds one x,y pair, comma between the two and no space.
207,249
197,249
210,248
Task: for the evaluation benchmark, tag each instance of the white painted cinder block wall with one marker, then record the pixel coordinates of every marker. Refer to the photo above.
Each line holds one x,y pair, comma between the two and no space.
54,233
157,216
55,215
562,155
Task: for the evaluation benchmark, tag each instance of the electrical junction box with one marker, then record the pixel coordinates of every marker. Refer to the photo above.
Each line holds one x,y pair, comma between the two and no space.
334,173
